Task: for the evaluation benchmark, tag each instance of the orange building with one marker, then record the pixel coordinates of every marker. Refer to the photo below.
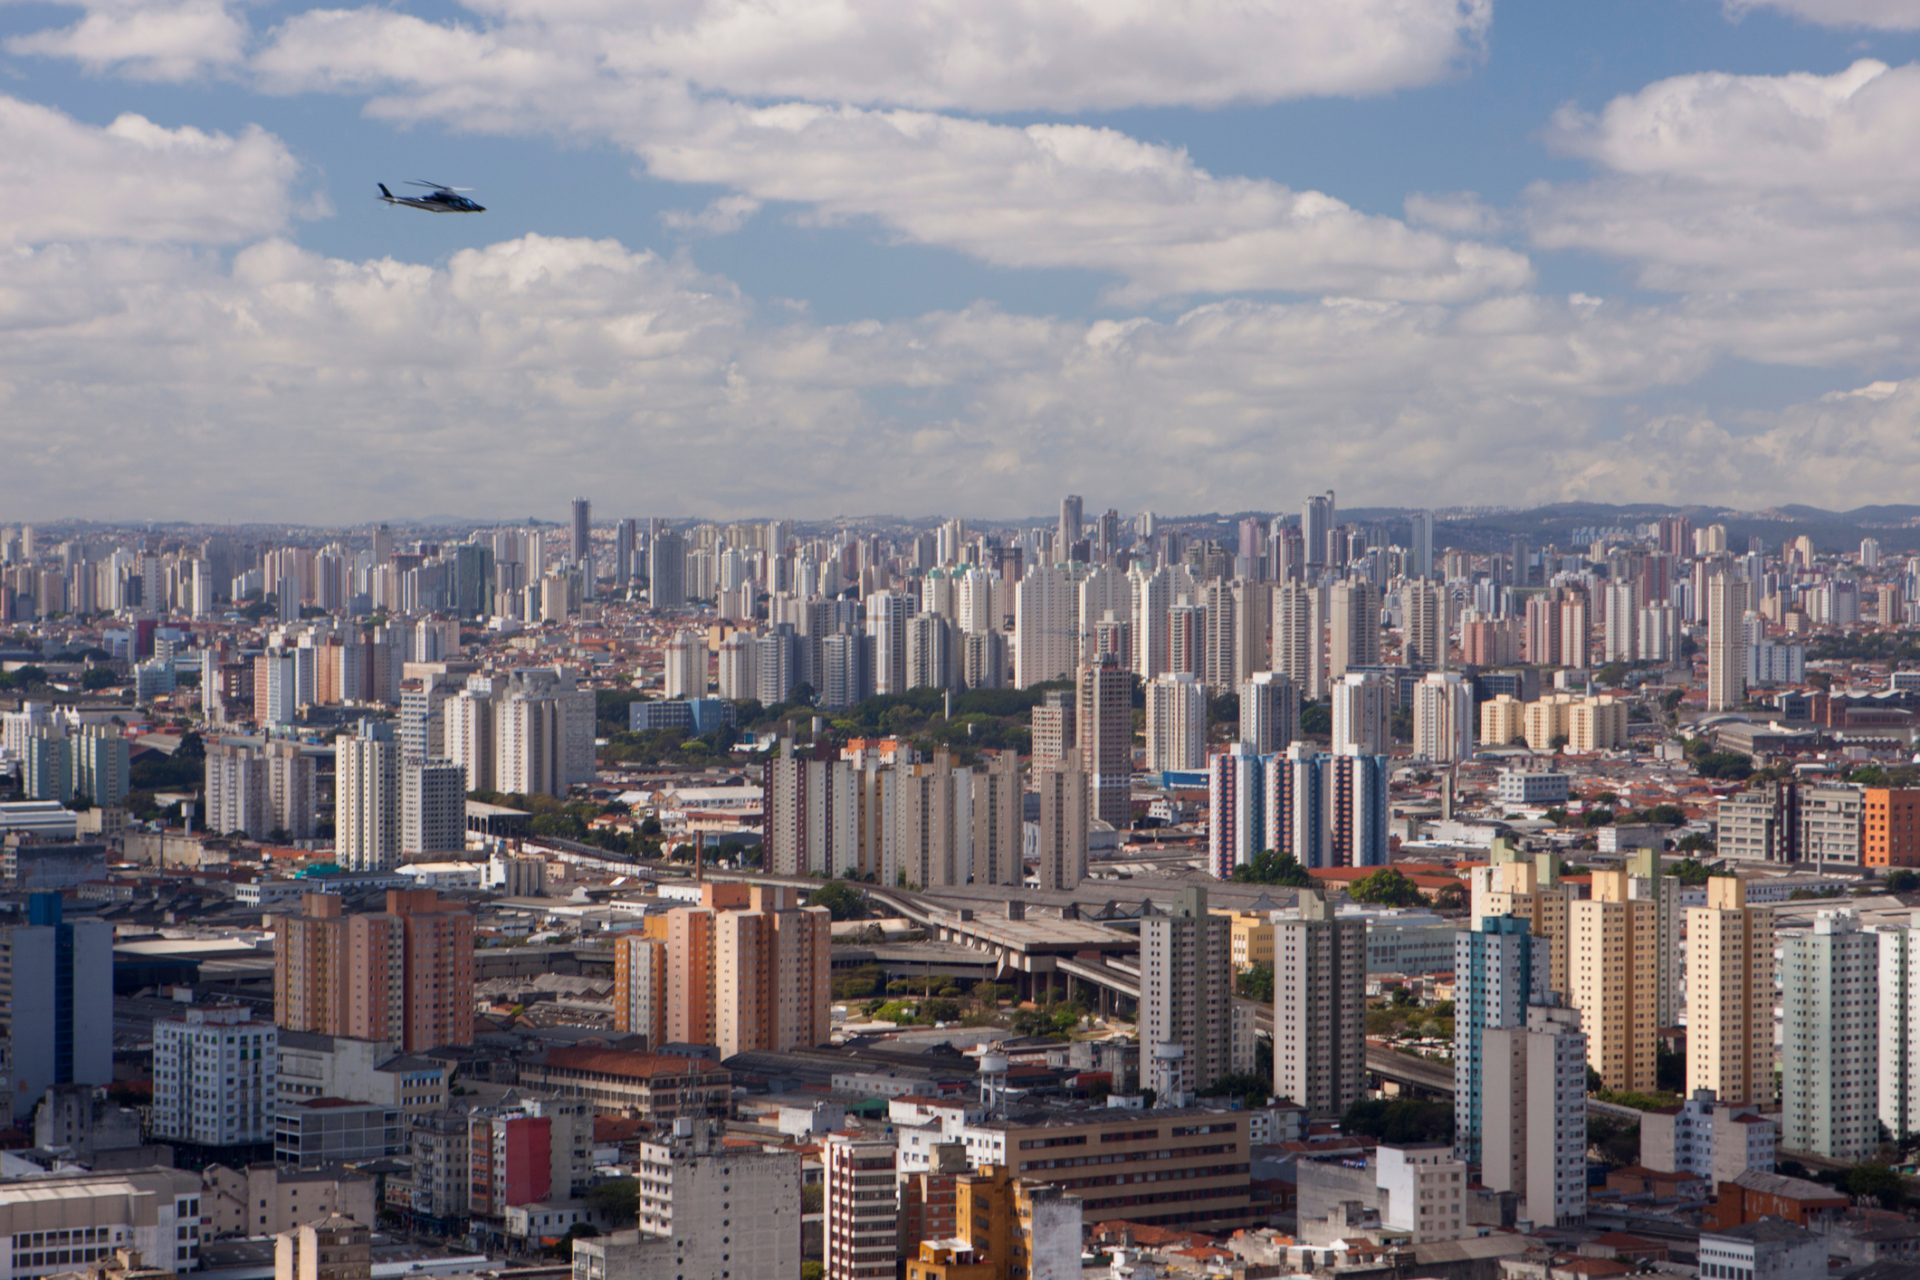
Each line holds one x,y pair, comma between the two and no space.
1891,827
404,974
640,985
748,969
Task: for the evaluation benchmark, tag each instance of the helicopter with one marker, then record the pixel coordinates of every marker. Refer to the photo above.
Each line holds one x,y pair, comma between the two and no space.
440,198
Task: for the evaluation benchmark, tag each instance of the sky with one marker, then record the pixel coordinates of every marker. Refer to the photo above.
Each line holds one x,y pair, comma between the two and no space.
845,257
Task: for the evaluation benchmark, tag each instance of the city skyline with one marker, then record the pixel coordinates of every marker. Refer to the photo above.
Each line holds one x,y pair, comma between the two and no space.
830,260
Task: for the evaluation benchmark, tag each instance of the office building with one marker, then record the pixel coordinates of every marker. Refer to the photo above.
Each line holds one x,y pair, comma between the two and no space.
1727,604
582,545
367,799
1269,712
433,808
1730,996
1186,1005
56,1002
1319,1006
1501,969
53,1225
1443,718
1065,807
1613,981
1534,1077
1103,725
667,569
214,1078
862,1204
1317,529
1769,1249
1362,711
1829,1049
403,975
1176,724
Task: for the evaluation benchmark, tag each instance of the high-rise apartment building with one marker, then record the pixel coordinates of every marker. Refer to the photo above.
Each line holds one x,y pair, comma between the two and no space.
1899,996
1362,712
640,987
1065,806
367,799
433,808
1053,730
686,665
56,1003
214,1077
1443,718
1534,1080
1072,522
1319,1005
1299,645
887,615
1614,981
1046,626
1353,626
1317,520
1727,603
1103,723
1269,712
1829,1047
998,835
262,790
404,974
812,818
582,544
747,971
1236,817
1176,723
1501,968
1423,609
862,1203
1186,997
1730,996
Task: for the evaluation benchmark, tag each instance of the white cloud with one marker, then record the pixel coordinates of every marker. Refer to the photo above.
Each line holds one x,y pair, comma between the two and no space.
169,40
720,217
1022,55
1042,196
1884,15
64,180
1461,213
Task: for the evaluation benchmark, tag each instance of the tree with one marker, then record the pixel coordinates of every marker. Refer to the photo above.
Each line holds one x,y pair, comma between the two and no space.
1615,1139
1902,881
1691,873
813,1271
1599,817
1387,887
1269,867
842,901
813,1198
1400,1121
617,1200
1316,718
1256,983
1451,898
98,678
1877,1182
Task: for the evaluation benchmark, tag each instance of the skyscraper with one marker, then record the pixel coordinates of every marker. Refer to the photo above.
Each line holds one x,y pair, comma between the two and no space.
1424,626
1046,631
1317,520
1500,968
1420,545
1071,523
1362,711
625,534
1299,647
1064,810
367,799
1269,712
582,530
1726,641
1319,1003
887,613
1829,1048
1176,723
1534,1077
1614,981
667,569
1353,626
56,1002
1103,721
1730,996
1186,991
1443,718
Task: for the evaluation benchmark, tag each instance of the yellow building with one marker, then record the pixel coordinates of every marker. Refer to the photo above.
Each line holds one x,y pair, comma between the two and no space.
1549,719
1596,724
1614,981
1516,884
950,1260
1005,1228
1251,938
1730,995
1502,720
